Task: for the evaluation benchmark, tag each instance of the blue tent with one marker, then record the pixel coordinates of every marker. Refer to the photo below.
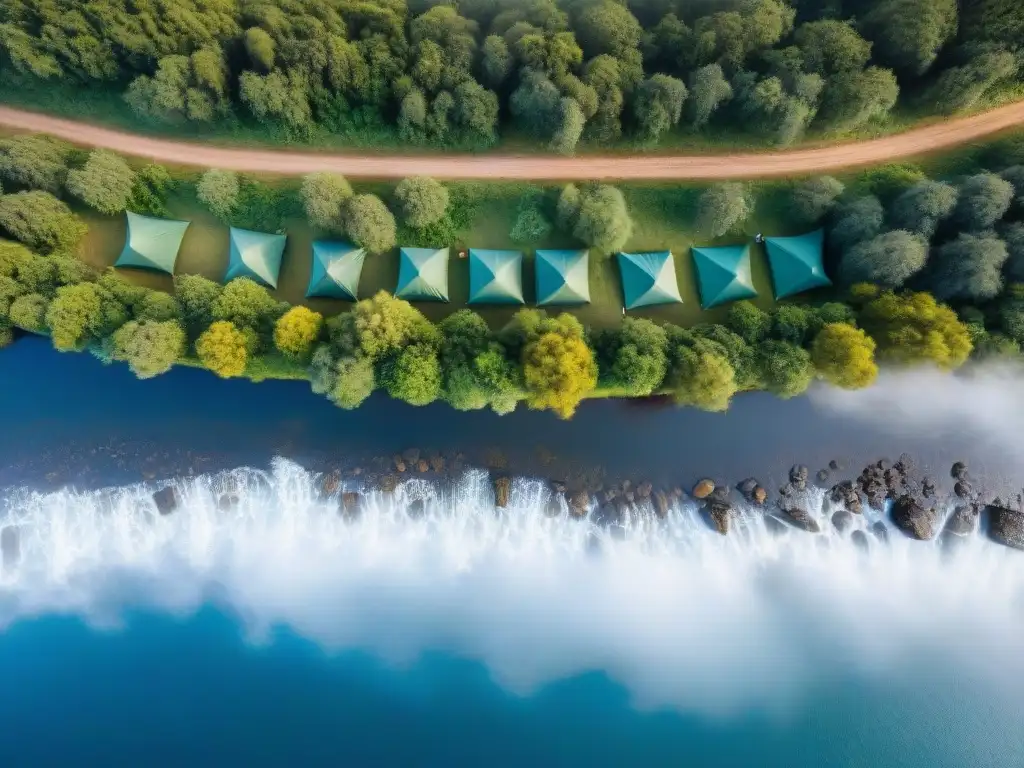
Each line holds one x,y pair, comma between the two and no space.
648,279
495,277
256,255
797,263
151,243
423,274
563,277
723,274
336,270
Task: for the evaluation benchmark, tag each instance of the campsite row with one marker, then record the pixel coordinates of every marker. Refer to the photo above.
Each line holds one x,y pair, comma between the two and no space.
496,276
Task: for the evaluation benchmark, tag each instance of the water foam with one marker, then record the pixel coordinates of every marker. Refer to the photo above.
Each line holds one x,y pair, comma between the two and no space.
679,614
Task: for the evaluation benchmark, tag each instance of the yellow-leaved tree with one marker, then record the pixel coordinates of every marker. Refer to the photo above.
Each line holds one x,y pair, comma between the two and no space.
223,349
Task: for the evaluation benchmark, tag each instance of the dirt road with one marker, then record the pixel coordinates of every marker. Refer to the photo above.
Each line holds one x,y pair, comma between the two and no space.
531,167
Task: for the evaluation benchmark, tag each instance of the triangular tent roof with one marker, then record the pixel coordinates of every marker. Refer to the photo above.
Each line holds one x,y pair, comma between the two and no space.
256,255
423,274
563,277
796,263
723,274
151,243
495,277
336,269
648,279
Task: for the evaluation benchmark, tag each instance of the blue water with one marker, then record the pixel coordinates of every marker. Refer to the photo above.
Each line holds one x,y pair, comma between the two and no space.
175,692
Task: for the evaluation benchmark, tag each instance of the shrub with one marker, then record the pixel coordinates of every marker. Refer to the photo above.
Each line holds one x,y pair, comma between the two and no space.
844,356
296,331
41,221
786,368
601,220
379,327
324,195
370,224
968,268
815,198
634,356
76,316
531,225
34,163
246,304
559,371
353,383
196,296
700,376
749,321
414,375
150,348
28,312
421,201
922,207
223,349
218,191
984,199
913,328
722,207
157,306
105,183
856,221
888,260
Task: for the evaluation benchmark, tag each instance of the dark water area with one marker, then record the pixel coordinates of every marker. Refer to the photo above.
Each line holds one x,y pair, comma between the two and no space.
70,417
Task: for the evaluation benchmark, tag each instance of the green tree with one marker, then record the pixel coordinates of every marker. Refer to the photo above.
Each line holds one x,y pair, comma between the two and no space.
379,327
324,195
700,376
749,321
259,46
960,88
246,304
296,331
421,201
602,73
722,207
475,114
888,260
786,368
853,98
34,163
829,47
150,348
606,27
914,328
152,186
633,356
658,106
792,323
496,61
567,210
536,104
1013,236
531,224
75,316
602,220
1015,175
968,268
845,356
568,128
31,272
196,296
855,222
105,183
814,199
278,96
741,356
346,381
413,375
157,306
709,90
193,87
223,349
983,200
28,312
923,207
908,34
41,221
218,191
370,224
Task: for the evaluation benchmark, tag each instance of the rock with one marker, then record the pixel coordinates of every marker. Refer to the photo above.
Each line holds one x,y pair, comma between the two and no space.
842,520
558,486
775,526
661,504
166,500
416,509
799,474
800,518
502,486
914,520
760,495
719,495
834,465
399,464
422,465
357,471
1006,526
437,462
388,483
644,490
411,455
554,507
746,487
227,502
958,471
578,504
822,476
10,546
629,496
963,520
626,485
703,489
721,516
351,504
893,478
331,482
928,487
880,531
860,540
962,489
787,490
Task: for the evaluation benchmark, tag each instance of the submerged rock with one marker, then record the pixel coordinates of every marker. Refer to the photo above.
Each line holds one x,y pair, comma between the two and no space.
422,465
331,482
962,489
227,502
661,504
822,476
800,518
416,509
411,455
842,520
10,546
880,532
860,540
958,471
166,500
703,489
834,465
502,486
1006,526
775,526
915,520
721,517
351,504
798,475
578,504
963,521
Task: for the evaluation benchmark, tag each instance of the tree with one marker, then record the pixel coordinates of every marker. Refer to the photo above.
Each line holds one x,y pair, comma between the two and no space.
152,186
844,356
568,128
196,296
347,381
218,191
830,47
984,199
1013,236
28,312
741,356
194,87
968,268
923,207
701,377
74,316
421,201
558,371
259,46
370,224
856,221
634,356
1015,175
496,62
786,368
536,104
31,272
854,98
531,224
722,207
658,106
246,304
960,88
414,375
296,331
104,183
223,349
278,96
792,323
749,321
814,199
150,348
908,34
603,74
914,328
567,210
709,89
157,306
602,220
34,163
465,336
379,327
41,221
888,260
606,27
475,115
324,195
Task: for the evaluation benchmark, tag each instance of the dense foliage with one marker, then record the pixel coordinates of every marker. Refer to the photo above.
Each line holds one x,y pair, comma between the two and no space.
560,70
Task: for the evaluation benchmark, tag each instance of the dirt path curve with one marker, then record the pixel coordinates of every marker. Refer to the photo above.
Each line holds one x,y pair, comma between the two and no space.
532,167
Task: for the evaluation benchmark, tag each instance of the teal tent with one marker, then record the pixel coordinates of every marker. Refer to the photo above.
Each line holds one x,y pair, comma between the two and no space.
336,269
563,277
256,255
723,274
151,243
648,279
423,274
495,277
796,263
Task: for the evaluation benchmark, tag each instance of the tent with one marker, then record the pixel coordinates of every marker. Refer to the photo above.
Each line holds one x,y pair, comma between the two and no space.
336,269
563,277
256,255
648,279
495,277
151,243
723,274
423,274
796,263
